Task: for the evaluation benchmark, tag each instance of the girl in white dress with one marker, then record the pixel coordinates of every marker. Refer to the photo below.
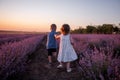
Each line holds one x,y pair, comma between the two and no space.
66,51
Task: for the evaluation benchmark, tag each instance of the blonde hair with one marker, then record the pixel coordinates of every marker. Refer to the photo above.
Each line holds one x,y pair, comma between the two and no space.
65,29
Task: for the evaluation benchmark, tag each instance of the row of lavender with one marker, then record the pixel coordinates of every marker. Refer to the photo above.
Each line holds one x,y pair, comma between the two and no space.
99,56
6,38
13,55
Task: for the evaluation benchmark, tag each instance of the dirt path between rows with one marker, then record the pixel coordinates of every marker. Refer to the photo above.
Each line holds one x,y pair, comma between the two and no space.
37,68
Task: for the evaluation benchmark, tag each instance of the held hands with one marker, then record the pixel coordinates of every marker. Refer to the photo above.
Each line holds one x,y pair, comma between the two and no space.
57,36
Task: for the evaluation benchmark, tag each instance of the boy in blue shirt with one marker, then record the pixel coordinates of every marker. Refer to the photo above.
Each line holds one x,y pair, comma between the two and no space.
51,43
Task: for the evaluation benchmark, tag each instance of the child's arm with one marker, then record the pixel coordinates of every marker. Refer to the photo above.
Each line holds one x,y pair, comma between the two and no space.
57,36
72,41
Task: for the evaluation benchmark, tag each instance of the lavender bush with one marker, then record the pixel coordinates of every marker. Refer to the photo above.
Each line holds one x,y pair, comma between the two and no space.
13,55
96,60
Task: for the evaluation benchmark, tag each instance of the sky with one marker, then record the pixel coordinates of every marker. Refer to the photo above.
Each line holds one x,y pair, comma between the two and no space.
38,15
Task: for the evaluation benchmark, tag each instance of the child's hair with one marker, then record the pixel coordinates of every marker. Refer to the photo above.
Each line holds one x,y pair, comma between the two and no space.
65,29
53,26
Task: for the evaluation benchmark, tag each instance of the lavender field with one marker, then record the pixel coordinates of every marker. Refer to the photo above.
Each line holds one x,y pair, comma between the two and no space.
99,58
14,50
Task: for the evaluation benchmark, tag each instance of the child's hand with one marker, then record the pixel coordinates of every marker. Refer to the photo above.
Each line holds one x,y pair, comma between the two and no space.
57,36
72,41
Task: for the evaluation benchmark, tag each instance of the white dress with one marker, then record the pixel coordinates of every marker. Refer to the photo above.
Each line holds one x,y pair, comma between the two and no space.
66,51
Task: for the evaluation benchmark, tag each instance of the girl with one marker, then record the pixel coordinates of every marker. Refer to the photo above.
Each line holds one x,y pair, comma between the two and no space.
66,52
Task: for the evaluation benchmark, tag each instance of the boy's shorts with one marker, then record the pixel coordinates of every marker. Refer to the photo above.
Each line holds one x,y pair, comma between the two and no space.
50,51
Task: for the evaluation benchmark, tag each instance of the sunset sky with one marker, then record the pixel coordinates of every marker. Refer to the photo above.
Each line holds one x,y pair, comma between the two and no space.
38,15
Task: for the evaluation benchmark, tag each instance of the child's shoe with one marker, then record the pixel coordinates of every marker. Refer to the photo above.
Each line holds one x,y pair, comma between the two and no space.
69,70
60,66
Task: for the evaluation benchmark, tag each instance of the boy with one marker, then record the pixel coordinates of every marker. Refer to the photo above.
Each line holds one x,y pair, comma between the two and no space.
51,43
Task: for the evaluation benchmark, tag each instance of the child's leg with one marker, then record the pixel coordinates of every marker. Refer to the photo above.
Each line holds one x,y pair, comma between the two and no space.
61,63
68,65
49,59
54,59
49,56
55,54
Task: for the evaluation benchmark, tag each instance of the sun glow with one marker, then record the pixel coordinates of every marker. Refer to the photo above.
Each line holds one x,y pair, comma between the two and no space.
38,15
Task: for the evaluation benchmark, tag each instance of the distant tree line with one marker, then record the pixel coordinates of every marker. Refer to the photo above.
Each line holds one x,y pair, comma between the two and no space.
100,29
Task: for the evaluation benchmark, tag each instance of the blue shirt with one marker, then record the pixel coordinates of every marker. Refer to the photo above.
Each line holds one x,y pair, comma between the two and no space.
51,41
